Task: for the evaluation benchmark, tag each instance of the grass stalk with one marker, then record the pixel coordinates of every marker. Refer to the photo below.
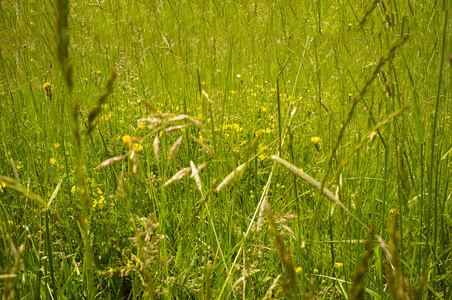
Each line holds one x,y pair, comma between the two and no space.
433,140
290,286
50,255
367,81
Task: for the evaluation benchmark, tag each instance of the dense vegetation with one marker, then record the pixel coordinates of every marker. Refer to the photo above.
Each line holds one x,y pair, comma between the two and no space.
225,149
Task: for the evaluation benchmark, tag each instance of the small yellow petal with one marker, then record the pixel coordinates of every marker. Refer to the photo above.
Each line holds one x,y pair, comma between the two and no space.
338,265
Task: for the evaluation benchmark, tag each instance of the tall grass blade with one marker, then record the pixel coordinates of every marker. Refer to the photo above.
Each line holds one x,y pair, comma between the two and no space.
433,139
290,285
55,193
357,291
10,279
203,145
14,185
92,121
62,36
395,278
15,172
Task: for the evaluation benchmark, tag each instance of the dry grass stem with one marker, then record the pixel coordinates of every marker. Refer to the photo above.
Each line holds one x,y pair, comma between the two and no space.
308,179
175,148
110,161
179,175
229,178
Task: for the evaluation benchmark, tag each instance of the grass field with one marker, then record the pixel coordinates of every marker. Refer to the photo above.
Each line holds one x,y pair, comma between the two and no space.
225,149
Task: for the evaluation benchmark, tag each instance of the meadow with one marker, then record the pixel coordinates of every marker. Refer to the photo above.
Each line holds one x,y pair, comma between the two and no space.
225,149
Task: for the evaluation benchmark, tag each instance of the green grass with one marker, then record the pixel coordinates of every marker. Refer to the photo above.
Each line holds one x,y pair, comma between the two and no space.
245,87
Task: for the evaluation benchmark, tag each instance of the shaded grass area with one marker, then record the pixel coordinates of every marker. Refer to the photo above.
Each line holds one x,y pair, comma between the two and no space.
225,149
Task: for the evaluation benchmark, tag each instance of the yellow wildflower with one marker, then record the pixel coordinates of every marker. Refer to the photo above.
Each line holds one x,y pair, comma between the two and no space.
53,161
56,145
99,191
73,189
298,270
263,108
316,271
315,140
2,184
99,203
139,147
126,139
47,87
338,265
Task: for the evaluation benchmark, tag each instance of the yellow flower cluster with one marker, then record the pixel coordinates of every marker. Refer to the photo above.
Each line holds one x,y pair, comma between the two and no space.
130,141
235,127
99,203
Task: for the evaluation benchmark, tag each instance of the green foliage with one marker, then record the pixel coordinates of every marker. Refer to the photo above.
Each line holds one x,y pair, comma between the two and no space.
153,181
